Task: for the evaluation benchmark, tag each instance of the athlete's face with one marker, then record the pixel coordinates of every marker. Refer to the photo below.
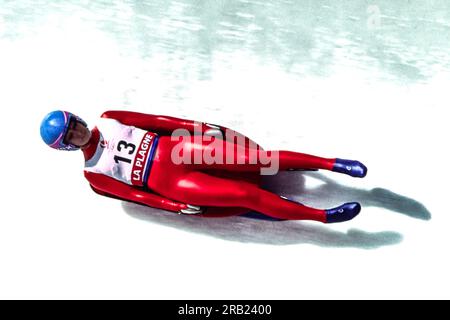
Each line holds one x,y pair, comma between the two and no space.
77,134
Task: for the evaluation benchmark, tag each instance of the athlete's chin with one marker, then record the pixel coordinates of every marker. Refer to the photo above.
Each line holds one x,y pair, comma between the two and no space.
84,145
85,141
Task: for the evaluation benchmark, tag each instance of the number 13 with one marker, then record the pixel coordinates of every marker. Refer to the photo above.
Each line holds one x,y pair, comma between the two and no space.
124,145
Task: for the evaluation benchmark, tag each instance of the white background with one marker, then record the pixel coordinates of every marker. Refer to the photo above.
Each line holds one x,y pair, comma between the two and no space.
58,239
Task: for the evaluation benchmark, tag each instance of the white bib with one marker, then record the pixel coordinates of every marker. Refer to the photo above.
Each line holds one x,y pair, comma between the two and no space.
123,152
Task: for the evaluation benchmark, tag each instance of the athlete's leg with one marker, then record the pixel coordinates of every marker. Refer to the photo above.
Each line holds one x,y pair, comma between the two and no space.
179,182
199,188
225,155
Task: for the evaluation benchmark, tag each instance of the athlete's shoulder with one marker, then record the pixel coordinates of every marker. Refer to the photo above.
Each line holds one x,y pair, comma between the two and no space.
113,117
117,114
109,114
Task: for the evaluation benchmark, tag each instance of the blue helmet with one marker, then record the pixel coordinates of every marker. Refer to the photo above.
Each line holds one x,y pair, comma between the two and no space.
54,128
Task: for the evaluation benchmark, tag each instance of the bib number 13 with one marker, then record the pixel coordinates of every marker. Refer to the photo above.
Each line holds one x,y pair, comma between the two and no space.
123,145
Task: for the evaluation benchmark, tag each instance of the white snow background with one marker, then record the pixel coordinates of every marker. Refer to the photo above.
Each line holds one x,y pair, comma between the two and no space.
365,80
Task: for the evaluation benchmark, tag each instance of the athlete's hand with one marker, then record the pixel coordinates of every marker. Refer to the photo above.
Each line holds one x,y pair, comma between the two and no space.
214,130
190,209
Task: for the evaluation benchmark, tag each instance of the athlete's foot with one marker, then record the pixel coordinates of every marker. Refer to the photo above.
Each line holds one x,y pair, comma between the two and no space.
345,212
351,167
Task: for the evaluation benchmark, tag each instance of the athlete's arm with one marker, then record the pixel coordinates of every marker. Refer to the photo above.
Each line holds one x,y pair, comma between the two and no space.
110,186
165,125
